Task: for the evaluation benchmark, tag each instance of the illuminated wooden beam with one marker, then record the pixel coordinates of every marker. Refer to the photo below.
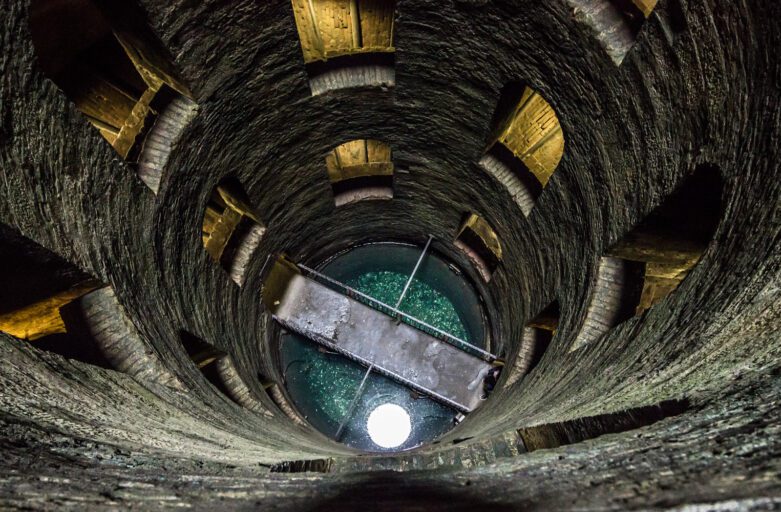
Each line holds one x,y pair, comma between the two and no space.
334,28
646,6
533,133
668,261
359,158
230,222
360,169
43,318
479,242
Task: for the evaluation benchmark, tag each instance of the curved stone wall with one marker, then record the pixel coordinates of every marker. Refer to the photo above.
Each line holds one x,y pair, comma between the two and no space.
699,86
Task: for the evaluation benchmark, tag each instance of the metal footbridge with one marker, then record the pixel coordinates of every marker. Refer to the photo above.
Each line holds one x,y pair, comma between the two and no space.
376,335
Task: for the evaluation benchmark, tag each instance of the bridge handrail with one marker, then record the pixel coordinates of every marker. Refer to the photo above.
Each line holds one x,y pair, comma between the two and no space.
396,313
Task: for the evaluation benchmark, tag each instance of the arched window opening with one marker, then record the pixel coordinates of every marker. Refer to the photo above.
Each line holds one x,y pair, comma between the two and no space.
672,239
58,308
553,435
616,289
221,372
39,301
652,260
536,338
207,359
346,43
615,23
111,73
478,241
232,229
237,389
526,144
360,170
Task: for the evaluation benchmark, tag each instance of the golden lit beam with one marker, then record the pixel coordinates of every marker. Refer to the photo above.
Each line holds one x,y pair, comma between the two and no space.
359,158
534,135
480,227
645,6
42,318
331,28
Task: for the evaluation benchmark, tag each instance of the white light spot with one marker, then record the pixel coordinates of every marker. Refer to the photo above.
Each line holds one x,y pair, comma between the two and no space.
389,425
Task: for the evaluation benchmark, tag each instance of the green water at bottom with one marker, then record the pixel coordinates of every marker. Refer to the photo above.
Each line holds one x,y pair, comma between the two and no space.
323,385
421,300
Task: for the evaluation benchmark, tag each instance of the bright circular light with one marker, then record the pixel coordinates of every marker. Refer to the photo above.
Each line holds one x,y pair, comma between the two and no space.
389,425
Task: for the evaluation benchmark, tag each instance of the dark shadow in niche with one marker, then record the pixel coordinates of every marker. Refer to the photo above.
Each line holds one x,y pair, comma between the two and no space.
400,491
673,20
360,70
39,300
670,241
361,188
630,13
30,273
76,343
536,338
553,435
232,229
303,466
481,245
206,357
545,326
117,74
518,168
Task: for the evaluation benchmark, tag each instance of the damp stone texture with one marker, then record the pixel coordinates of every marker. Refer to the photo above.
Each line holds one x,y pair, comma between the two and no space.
642,101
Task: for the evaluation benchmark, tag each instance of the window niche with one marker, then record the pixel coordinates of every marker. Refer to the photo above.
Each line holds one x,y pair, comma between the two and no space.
39,299
478,241
672,239
346,43
525,146
206,358
220,371
615,23
115,73
58,308
536,338
232,229
651,261
360,170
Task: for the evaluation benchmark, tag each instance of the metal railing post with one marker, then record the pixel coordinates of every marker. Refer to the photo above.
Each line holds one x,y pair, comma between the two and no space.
351,409
414,271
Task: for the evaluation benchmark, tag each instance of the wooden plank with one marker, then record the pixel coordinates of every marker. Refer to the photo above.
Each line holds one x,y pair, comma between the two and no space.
306,22
484,232
222,232
210,217
134,126
99,99
655,289
360,171
334,24
646,6
534,135
236,200
377,23
42,318
359,158
333,28
377,151
352,153
153,78
661,248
